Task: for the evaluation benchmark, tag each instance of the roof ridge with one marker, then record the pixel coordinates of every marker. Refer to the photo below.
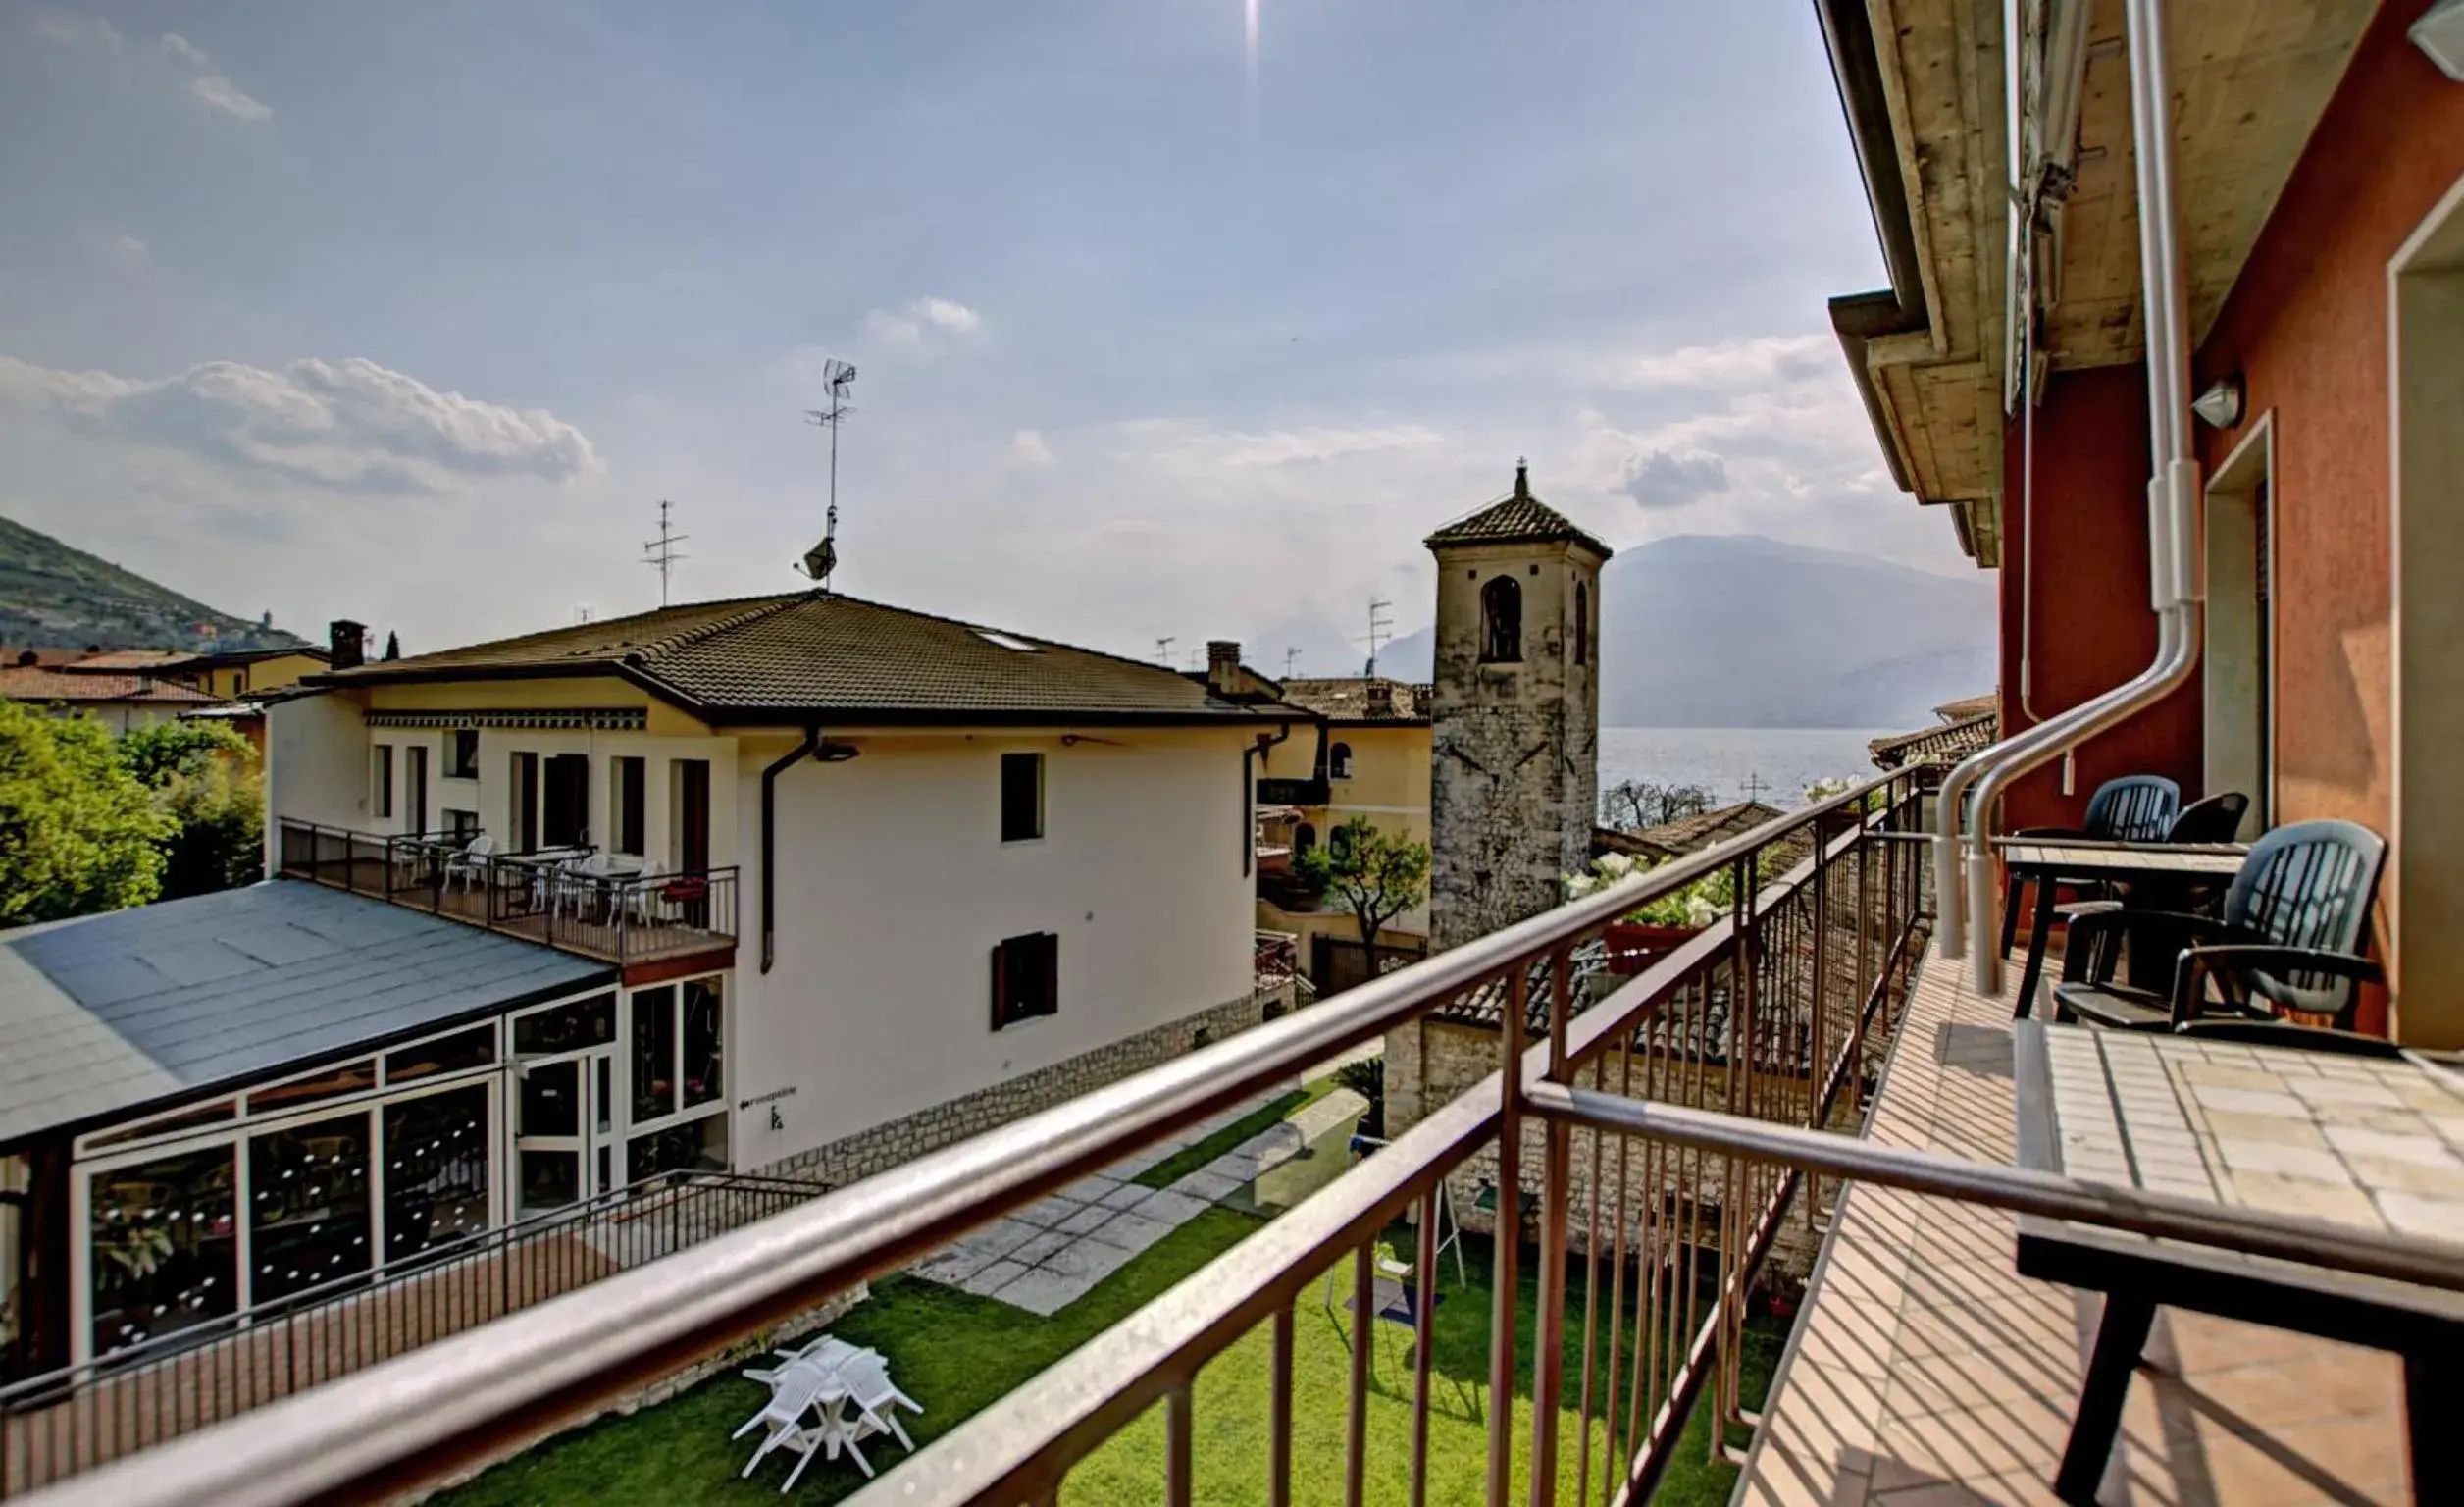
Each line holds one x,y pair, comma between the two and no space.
686,638
1013,633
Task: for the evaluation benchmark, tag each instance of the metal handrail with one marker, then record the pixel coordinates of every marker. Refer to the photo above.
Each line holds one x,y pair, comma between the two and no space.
456,1401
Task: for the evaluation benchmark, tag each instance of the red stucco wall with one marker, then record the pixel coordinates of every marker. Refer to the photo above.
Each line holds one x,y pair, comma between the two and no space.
2094,628
2306,325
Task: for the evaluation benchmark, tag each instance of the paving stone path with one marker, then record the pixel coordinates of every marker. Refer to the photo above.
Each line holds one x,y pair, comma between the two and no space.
1045,1256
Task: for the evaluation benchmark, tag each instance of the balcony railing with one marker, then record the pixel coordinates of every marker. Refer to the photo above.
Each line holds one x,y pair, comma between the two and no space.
64,1422
1281,791
1671,1130
540,896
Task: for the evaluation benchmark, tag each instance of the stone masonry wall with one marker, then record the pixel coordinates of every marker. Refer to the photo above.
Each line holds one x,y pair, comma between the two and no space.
1514,773
888,1145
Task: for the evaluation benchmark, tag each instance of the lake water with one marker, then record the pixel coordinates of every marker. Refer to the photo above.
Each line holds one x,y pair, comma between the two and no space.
1772,764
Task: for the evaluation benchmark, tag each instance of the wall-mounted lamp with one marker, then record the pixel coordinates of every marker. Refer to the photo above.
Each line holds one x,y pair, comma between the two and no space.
828,752
2220,404
2440,36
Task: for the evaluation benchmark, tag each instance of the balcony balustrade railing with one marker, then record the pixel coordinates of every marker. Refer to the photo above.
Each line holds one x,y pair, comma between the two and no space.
60,1422
546,895
1672,1128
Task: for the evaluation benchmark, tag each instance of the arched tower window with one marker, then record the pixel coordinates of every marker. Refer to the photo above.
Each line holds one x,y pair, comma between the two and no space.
1582,623
1500,621
1339,761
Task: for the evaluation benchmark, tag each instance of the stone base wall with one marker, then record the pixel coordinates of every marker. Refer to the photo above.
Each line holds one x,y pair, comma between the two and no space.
852,1157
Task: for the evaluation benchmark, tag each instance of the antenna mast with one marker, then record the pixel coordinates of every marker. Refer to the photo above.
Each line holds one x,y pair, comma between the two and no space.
1163,648
1290,657
661,552
837,377
1381,631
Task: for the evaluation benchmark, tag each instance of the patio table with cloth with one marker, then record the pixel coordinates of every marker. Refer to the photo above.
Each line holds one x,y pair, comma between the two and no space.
2377,1143
2050,866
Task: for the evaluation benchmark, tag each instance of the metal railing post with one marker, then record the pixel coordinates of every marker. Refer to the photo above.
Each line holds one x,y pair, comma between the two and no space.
1506,1240
1548,1362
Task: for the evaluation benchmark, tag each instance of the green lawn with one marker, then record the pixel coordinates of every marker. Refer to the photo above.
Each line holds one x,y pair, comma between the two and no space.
956,1353
1266,1116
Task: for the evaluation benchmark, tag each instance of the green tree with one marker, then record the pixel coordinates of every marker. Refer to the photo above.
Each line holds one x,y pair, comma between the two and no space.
170,751
79,832
1373,873
204,778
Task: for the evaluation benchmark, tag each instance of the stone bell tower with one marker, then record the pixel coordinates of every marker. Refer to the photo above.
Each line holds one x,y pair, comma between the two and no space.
1514,729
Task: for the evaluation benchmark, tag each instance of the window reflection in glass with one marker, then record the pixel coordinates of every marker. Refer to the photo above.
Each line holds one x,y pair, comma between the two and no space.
699,1145
475,1047
551,1099
165,1247
308,1205
348,1078
435,1171
551,1179
569,1028
653,1053
706,1052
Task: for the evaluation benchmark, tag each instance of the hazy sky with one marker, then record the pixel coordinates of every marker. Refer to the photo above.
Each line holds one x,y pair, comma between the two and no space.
412,313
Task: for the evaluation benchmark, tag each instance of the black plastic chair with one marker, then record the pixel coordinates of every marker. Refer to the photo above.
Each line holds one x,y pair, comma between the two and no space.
2288,941
2135,809
2216,819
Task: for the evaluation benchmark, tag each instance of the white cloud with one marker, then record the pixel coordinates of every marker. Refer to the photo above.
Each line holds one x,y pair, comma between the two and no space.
350,424
211,84
1731,364
1177,443
1027,448
70,31
1664,479
921,323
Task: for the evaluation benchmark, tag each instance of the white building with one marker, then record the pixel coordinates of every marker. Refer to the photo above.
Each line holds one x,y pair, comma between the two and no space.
979,872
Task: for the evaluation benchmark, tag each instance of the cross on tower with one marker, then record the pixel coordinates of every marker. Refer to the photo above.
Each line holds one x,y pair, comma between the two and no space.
1754,785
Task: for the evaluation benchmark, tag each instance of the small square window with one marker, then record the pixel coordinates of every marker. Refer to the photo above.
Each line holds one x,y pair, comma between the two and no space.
1022,797
1026,978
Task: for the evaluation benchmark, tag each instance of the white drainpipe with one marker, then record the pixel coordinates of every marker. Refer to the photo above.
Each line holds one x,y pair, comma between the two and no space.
2174,509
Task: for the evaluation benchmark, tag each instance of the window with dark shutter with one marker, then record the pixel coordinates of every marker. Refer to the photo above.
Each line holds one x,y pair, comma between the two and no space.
630,784
1026,978
1022,797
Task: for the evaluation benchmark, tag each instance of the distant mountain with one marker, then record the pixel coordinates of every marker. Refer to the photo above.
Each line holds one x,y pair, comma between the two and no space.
1734,630
55,595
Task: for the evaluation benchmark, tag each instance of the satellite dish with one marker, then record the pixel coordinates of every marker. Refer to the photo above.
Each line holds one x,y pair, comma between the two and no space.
820,558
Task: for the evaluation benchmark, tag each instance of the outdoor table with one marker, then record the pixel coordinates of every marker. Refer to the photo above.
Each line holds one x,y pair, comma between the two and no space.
2374,1143
2050,864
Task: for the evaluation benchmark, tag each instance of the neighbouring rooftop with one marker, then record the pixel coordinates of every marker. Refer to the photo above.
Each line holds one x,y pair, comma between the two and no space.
1372,699
32,683
103,1015
766,658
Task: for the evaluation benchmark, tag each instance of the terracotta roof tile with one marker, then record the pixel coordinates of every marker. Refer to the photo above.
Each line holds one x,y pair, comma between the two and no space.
120,660
30,684
1357,699
1518,518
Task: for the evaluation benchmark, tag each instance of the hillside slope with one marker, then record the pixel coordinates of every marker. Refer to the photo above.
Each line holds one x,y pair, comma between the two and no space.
54,595
1736,630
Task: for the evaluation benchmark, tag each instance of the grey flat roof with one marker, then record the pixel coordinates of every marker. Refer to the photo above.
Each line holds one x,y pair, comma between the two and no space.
112,1012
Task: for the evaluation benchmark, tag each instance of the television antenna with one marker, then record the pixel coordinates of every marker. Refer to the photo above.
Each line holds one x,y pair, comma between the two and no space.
837,377
1754,785
661,552
1163,649
1381,631
1290,657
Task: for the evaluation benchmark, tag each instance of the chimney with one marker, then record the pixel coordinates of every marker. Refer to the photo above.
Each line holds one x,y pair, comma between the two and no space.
1224,666
347,642
1380,697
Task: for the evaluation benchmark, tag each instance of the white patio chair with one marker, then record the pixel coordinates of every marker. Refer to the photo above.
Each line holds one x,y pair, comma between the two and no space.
471,862
869,1387
832,1435
578,883
794,1387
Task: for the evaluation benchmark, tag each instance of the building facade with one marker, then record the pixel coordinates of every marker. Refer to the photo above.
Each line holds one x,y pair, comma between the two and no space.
1515,718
